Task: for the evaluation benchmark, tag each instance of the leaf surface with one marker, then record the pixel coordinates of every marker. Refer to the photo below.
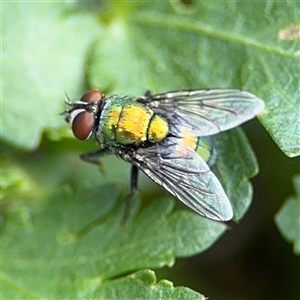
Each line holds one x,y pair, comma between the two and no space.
44,48
78,237
206,45
143,285
288,218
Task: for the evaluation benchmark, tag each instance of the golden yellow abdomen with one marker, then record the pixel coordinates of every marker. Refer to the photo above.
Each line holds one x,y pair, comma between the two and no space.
158,129
133,124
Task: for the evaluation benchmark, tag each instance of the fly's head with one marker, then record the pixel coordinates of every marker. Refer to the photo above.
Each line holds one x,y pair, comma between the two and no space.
82,115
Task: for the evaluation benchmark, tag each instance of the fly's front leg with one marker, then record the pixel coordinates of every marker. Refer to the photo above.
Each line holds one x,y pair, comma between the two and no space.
93,158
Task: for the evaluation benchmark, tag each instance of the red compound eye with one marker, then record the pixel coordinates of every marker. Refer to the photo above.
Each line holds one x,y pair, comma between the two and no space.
91,96
82,125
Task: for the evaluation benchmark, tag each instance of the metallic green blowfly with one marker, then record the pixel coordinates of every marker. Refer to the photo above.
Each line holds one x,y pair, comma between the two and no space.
167,137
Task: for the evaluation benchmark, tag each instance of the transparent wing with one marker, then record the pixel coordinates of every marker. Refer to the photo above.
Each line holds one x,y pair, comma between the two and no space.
183,173
205,112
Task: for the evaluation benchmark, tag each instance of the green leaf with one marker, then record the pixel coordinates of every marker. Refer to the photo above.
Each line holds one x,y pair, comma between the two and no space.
143,285
12,180
167,46
43,55
65,242
234,171
287,219
78,237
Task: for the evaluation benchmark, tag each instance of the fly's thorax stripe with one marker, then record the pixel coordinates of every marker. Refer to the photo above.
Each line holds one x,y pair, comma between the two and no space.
108,122
133,124
158,129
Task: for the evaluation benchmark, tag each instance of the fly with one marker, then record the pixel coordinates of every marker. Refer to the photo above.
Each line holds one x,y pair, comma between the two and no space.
167,136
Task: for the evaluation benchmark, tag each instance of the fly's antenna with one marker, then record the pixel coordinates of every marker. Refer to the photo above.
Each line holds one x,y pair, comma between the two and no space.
67,100
67,113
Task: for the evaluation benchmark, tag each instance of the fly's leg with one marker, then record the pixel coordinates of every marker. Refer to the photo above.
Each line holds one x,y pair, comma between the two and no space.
134,179
148,95
93,158
146,98
133,189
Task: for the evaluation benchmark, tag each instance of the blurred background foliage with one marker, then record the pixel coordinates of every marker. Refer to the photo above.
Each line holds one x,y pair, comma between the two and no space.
127,47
